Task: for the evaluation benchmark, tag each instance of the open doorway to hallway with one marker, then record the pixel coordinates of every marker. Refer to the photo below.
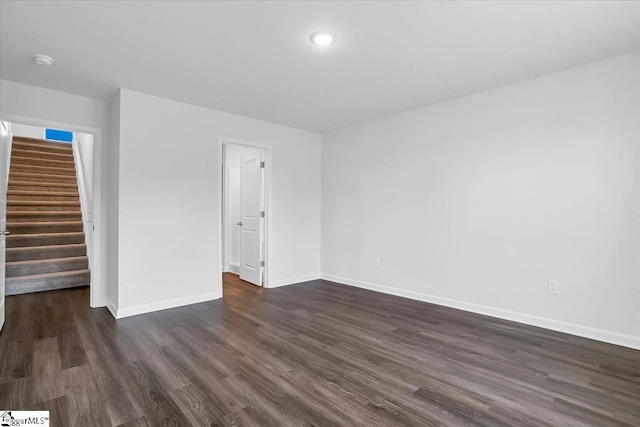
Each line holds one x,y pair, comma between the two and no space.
244,212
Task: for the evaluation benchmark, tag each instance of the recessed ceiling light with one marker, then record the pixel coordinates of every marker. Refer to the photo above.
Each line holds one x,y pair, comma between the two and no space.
43,60
323,38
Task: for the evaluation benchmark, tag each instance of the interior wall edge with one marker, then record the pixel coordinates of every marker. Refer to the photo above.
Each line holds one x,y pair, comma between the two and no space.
112,309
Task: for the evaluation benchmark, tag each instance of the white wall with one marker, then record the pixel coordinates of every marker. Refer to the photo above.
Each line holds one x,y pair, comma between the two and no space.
18,129
31,101
477,202
18,99
83,152
168,201
111,159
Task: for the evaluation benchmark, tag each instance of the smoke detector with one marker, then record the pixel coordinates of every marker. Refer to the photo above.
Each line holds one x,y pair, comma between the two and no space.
43,60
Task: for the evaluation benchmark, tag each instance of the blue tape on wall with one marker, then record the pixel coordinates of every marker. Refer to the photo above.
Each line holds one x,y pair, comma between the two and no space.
59,135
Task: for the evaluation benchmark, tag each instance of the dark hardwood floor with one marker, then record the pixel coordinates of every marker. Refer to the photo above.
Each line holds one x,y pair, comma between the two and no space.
311,354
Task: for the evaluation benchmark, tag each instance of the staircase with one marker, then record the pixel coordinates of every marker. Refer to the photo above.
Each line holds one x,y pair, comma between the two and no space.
46,248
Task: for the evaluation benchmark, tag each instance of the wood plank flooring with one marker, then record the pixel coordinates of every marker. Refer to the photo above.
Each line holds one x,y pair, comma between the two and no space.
311,354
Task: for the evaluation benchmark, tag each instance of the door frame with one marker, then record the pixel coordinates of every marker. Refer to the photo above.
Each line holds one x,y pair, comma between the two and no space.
4,127
267,205
97,292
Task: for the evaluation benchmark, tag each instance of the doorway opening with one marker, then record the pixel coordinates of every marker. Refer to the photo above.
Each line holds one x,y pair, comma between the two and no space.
244,225
54,206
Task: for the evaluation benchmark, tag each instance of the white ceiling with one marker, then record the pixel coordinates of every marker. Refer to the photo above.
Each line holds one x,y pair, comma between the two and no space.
255,58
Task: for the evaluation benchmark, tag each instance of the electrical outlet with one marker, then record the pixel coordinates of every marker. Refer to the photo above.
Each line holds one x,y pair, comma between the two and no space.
376,262
553,287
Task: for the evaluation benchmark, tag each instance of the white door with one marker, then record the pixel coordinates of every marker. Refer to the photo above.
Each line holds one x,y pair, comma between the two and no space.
250,224
5,150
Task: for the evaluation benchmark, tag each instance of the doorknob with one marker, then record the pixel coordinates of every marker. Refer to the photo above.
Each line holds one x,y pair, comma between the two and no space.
239,223
5,233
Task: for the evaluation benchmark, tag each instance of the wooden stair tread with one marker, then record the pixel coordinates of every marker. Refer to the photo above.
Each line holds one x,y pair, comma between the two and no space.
45,239
43,184
14,238
38,171
47,281
41,193
45,266
21,152
14,195
27,253
47,216
42,149
29,213
44,189
46,163
40,175
48,275
52,223
42,261
43,170
22,214
39,141
18,206
42,203
21,228
27,160
39,248
70,233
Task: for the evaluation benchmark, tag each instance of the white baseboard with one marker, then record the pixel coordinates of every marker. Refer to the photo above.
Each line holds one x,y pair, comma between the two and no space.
1,313
293,280
163,305
542,322
112,308
231,268
101,302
